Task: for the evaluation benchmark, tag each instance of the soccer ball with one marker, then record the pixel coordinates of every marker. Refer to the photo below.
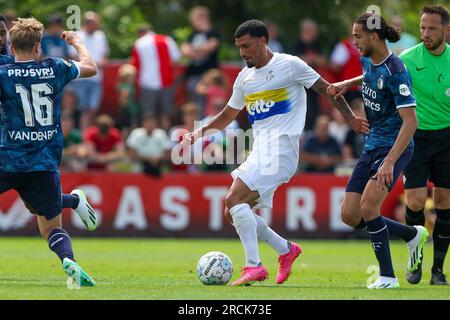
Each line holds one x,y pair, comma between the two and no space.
214,268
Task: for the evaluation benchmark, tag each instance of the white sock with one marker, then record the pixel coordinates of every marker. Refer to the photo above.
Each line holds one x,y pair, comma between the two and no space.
245,224
266,234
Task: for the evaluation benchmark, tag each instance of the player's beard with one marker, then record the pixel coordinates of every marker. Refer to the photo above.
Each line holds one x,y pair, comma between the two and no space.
436,44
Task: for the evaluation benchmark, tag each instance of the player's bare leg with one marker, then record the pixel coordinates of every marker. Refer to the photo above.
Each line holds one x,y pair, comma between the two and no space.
351,210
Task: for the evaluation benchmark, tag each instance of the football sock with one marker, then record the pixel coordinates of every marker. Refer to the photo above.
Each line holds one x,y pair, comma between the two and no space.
401,230
414,218
398,229
379,236
441,237
266,234
245,223
69,201
59,242
361,225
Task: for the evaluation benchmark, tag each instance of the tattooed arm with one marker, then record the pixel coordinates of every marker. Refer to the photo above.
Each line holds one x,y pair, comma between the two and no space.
359,124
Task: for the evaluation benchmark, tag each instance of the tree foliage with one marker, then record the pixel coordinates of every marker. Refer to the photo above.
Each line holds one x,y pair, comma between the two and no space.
121,18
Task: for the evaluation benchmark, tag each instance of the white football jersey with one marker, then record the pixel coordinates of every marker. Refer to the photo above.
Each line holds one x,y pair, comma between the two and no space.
274,95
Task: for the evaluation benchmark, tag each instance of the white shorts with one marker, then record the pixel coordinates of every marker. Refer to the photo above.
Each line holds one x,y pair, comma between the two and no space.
269,165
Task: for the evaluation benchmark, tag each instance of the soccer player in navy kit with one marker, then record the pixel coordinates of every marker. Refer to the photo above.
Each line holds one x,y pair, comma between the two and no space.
31,138
76,199
390,109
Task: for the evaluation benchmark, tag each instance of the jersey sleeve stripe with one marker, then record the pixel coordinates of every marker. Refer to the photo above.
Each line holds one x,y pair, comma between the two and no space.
78,68
406,105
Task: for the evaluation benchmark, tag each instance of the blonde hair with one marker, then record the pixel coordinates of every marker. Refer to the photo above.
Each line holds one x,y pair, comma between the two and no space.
25,33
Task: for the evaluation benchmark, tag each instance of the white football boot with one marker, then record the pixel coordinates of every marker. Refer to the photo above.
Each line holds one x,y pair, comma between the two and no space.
85,211
384,283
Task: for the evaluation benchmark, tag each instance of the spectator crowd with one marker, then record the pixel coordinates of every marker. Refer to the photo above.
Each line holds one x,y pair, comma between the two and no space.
148,124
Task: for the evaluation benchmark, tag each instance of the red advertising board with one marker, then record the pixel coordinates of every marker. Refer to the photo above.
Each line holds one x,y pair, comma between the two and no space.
182,205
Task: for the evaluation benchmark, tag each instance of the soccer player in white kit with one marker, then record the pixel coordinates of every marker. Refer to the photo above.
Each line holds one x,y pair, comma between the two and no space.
271,88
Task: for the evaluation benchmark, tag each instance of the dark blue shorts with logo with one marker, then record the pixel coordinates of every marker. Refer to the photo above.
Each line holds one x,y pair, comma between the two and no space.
39,190
368,164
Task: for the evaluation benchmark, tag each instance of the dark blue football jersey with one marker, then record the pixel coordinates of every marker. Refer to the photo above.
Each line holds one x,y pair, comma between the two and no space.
386,87
4,59
30,108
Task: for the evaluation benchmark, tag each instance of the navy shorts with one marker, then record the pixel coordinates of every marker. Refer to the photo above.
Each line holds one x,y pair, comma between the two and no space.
40,190
368,164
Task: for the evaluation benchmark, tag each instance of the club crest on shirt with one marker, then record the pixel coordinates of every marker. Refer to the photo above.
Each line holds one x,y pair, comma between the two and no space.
448,92
270,75
380,83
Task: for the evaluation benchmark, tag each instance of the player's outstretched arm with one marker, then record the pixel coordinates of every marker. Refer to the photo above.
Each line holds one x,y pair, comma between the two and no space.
339,88
88,67
359,124
219,122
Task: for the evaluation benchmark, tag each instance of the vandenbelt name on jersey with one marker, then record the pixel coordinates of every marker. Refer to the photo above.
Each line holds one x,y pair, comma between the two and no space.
431,81
386,88
274,96
30,97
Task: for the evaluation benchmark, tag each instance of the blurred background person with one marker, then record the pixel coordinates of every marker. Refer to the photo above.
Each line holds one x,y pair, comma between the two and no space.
190,117
406,41
4,36
353,146
213,85
338,127
129,108
345,63
321,152
10,16
154,56
150,146
74,150
274,43
69,106
51,44
309,50
103,143
89,90
221,141
202,49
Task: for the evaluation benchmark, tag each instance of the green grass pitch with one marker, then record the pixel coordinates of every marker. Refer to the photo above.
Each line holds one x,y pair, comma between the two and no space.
165,269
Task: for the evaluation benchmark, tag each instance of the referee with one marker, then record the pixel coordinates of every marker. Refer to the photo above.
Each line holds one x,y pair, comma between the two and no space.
429,66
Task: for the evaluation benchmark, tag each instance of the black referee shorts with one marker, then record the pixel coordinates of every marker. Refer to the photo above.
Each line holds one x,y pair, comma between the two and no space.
430,161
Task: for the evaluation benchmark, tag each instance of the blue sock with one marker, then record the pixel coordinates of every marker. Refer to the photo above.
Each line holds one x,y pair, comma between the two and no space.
69,201
379,235
401,230
59,242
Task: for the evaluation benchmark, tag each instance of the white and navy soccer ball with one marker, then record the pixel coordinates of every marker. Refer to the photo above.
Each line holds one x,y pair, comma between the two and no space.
214,268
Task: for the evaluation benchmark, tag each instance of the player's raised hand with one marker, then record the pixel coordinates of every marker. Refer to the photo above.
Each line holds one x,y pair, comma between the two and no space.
71,37
359,125
190,137
338,89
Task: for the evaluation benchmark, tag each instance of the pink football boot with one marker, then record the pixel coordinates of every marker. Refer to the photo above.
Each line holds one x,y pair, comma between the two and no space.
250,275
285,262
